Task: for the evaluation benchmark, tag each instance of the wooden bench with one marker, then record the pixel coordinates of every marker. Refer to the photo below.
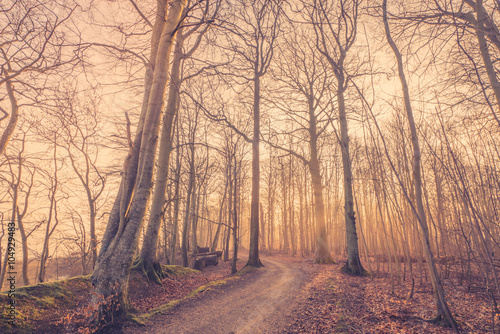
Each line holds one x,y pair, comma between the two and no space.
206,258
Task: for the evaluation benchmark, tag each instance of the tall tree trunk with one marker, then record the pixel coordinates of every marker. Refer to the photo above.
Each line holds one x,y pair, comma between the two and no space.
229,208
235,220
262,228
194,219
44,256
485,54
353,265
185,229
110,277
322,253
444,315
175,223
285,210
148,259
253,255
322,250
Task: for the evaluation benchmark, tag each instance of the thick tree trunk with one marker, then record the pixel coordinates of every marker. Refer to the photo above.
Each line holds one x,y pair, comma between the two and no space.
131,163
148,259
110,277
444,315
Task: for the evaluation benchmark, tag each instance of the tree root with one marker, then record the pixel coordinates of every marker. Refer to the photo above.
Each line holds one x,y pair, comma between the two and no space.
358,271
257,265
324,260
152,270
440,320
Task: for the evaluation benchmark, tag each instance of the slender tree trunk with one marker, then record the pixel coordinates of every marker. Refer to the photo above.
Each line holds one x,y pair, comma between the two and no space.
322,250
485,54
443,313
284,183
262,229
194,213
185,230
353,265
229,208
235,220
175,224
253,256
219,226
12,224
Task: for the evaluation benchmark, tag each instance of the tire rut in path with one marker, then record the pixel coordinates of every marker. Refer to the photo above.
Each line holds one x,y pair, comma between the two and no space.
256,303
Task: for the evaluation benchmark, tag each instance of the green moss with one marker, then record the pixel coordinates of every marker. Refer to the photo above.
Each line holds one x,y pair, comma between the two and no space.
179,270
33,302
245,270
144,317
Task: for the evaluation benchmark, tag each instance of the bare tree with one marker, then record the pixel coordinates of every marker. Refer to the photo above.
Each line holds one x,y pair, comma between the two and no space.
148,260
79,123
335,27
302,72
32,47
444,315
251,37
120,240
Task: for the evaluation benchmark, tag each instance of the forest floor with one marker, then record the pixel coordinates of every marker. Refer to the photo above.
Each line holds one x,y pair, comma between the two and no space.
288,295
293,295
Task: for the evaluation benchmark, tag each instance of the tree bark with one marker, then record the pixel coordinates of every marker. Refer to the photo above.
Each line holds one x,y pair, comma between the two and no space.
185,229
353,265
253,255
148,259
235,220
444,315
110,277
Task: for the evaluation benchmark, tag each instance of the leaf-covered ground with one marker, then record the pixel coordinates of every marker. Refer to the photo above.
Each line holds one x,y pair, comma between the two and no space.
328,301
335,302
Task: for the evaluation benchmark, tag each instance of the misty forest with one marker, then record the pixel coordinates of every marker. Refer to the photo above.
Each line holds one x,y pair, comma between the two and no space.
250,166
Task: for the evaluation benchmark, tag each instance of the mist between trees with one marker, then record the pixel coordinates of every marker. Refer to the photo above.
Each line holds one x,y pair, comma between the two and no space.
132,132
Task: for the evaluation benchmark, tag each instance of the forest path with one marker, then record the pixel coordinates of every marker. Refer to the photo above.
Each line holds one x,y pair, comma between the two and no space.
255,303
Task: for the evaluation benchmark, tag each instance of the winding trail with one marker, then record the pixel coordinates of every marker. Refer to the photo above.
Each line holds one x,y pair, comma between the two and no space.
255,303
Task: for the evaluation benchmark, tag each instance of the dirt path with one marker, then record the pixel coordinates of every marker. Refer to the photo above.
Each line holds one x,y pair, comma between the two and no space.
255,303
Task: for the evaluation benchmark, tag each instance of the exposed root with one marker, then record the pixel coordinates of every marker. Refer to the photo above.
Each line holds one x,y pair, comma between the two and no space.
441,320
324,260
255,265
152,270
356,271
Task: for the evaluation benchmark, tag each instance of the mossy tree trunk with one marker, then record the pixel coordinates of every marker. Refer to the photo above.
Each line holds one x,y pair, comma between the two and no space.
110,276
